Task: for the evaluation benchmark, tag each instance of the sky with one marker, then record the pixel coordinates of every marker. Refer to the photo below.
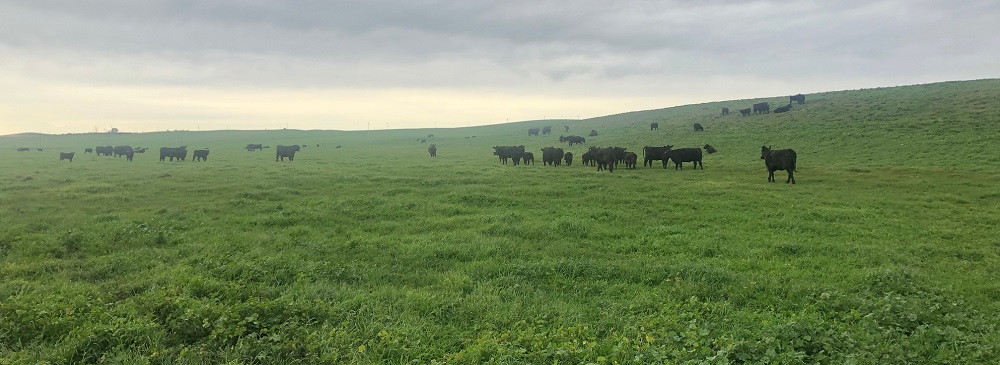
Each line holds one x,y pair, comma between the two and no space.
70,66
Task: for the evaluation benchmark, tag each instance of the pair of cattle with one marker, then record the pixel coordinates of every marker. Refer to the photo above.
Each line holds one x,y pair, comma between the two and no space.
553,156
507,152
180,153
573,140
433,150
23,149
546,130
697,126
678,156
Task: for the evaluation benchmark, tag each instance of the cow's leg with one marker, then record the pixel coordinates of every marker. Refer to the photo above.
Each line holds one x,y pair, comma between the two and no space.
790,177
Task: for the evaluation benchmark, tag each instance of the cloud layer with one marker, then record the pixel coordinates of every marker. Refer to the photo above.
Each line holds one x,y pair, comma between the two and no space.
134,62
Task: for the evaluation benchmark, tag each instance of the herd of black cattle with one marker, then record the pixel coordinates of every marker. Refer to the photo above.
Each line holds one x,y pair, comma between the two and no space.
607,158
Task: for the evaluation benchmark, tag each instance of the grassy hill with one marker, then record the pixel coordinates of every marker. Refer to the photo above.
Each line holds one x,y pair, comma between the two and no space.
886,250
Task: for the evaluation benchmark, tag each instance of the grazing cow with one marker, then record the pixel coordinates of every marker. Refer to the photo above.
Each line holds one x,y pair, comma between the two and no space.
606,159
126,151
23,149
66,156
140,150
745,112
569,158
528,157
654,126
552,156
254,147
39,149
285,151
533,132
593,133
433,150
630,160
801,99
725,111
567,128
430,136
682,155
575,140
423,140
199,154
547,130
650,154
88,150
778,160
104,150
709,149
338,146
180,153
761,108
698,127
782,109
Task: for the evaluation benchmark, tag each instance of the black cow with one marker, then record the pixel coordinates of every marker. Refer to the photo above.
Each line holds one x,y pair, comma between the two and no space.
682,155
66,156
654,126
801,99
430,136
761,108
140,150
528,157
619,153
433,150
23,149
552,156
516,157
709,149
423,140
745,112
104,150
593,133
39,149
606,159
254,147
338,146
588,157
126,151
568,156
782,109
199,154
698,127
180,153
533,132
547,130
778,160
88,150
725,111
650,154
285,151
630,160
573,140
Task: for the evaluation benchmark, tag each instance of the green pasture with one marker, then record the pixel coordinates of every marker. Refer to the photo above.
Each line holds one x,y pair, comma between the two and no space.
887,250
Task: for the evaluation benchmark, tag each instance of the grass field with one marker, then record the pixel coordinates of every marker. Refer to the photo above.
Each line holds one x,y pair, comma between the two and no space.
886,251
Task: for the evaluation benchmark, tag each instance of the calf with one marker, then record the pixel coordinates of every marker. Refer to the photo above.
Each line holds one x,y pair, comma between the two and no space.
88,150
199,154
709,149
630,160
528,157
745,112
569,158
776,160
654,126
698,127
725,111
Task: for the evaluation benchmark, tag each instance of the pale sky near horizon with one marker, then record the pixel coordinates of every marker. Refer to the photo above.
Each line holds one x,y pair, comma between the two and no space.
152,65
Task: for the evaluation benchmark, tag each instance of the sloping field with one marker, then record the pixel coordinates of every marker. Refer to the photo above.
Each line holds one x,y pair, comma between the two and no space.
887,250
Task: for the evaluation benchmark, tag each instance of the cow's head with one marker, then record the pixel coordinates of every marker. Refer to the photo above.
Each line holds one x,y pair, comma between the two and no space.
764,151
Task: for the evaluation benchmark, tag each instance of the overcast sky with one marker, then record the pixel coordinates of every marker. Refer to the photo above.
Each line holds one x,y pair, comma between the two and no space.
150,65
